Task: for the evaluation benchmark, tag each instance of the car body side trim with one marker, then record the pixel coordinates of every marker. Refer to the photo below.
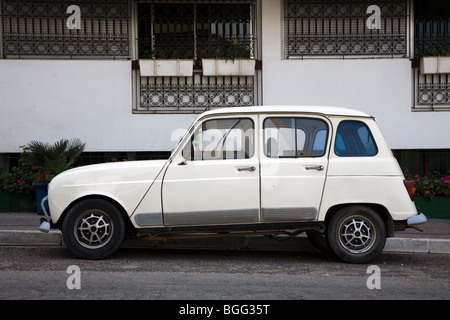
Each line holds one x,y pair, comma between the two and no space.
211,217
289,214
269,227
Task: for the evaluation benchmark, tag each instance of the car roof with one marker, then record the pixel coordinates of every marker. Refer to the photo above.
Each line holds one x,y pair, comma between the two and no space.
320,110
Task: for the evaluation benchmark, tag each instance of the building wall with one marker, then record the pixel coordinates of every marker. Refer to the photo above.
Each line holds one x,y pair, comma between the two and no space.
48,100
382,87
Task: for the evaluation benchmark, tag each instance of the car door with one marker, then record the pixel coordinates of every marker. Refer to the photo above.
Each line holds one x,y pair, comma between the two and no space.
294,161
214,178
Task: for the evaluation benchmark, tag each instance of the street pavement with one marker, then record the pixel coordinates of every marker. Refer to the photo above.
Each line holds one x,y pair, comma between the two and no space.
21,229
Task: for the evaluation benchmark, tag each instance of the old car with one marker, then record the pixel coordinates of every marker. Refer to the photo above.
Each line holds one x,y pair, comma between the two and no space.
325,171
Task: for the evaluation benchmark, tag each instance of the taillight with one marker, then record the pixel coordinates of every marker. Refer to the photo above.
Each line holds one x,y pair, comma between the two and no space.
411,187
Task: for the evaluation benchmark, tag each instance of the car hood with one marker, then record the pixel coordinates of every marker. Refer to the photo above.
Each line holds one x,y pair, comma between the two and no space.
124,182
114,172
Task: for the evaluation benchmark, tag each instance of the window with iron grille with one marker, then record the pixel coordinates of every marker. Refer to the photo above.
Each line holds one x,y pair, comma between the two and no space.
196,29
338,28
171,29
431,27
194,94
433,91
432,38
38,28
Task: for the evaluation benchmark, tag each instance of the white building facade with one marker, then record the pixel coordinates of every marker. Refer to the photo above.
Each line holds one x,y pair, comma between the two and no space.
80,69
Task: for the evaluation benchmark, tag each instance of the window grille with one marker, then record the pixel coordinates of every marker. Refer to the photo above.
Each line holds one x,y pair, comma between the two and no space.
338,28
196,29
431,27
38,28
433,91
197,93
431,38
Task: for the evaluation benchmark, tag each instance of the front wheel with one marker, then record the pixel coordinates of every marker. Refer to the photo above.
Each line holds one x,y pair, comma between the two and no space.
93,229
356,234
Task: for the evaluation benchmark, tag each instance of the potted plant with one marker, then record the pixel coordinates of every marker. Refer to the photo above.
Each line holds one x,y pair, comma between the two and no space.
154,65
435,61
46,161
229,64
432,194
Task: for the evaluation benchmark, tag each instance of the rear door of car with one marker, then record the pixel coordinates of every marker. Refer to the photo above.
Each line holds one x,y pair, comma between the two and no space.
294,162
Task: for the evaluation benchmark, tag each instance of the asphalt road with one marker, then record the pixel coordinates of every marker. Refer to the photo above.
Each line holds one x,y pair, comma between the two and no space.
154,274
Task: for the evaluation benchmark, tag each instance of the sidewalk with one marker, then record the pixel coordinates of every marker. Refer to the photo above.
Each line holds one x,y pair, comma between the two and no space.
21,229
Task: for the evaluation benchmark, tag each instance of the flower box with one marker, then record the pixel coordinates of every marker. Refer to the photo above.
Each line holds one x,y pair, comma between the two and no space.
437,207
223,67
17,202
434,65
166,68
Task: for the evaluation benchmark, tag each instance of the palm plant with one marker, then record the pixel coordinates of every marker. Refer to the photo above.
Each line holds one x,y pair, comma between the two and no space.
50,160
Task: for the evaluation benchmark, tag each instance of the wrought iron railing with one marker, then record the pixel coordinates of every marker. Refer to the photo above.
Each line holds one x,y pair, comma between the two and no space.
194,94
196,29
431,27
38,28
338,28
172,29
432,91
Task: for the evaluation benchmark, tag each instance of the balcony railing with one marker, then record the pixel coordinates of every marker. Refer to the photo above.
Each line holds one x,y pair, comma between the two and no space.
194,94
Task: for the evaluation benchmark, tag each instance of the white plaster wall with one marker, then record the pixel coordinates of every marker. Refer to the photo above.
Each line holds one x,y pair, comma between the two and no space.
47,100
380,87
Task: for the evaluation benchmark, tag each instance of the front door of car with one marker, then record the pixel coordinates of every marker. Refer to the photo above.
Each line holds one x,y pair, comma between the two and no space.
294,161
214,178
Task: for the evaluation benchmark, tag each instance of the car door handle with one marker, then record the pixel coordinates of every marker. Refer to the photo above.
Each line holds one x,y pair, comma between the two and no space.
318,168
252,168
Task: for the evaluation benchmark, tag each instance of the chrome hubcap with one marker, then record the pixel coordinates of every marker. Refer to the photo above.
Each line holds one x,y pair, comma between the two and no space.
93,230
356,234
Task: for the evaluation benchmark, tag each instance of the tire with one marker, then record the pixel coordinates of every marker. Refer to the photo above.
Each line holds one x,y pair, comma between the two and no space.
356,234
93,229
318,240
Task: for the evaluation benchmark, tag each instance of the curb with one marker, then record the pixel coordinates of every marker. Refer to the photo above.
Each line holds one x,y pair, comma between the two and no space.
54,238
30,238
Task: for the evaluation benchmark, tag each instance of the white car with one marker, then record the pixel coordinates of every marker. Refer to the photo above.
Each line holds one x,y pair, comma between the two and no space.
264,170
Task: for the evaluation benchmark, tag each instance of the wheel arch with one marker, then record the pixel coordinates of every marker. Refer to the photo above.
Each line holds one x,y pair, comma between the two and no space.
380,209
130,229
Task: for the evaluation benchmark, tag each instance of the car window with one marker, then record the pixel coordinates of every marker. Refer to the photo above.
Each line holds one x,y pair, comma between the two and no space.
222,139
354,139
290,137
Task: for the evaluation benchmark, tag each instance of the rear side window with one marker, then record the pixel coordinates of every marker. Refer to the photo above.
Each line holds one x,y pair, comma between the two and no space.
286,137
354,139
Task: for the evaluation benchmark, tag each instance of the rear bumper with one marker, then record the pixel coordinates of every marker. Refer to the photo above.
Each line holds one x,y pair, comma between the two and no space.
416,220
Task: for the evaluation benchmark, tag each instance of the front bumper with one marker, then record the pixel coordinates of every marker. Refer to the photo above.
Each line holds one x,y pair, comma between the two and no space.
416,220
45,225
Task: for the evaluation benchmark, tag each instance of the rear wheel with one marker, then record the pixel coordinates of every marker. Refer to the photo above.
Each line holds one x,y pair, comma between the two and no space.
93,229
356,234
